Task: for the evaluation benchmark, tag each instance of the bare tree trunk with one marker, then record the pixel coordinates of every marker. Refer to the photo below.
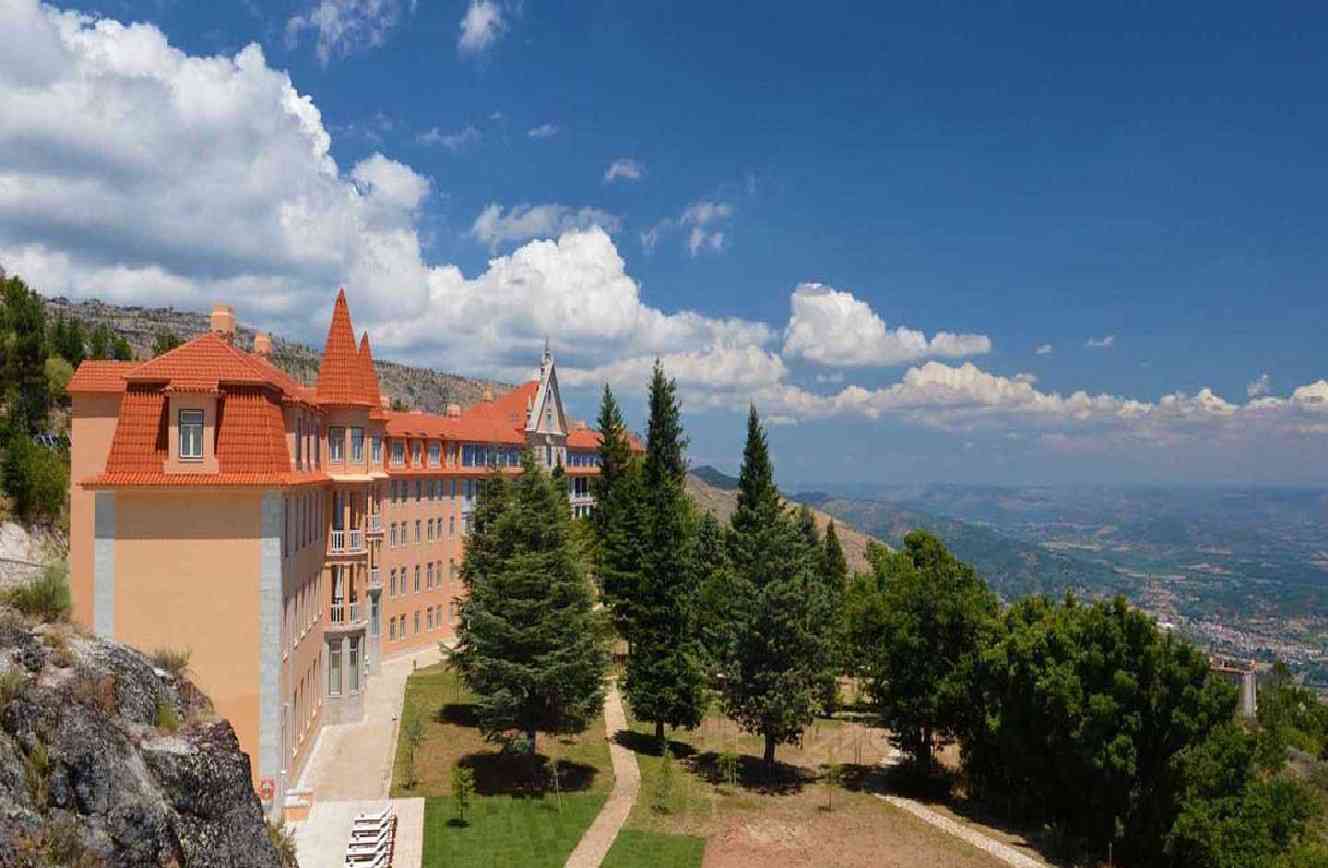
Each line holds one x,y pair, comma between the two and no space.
769,751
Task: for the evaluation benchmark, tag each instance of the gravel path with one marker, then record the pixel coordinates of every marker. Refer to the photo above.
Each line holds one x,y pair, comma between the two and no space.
1004,852
595,844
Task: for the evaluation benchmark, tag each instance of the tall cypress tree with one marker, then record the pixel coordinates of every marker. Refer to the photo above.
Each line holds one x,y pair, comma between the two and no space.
529,643
776,661
665,678
615,458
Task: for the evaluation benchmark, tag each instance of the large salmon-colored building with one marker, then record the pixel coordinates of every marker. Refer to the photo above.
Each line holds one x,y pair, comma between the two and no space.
290,537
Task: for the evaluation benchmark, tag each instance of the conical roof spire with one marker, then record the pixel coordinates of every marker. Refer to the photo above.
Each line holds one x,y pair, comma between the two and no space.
368,376
339,374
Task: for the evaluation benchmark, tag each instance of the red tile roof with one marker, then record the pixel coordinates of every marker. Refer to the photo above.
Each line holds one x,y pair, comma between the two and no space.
100,375
340,376
201,365
369,378
251,433
139,444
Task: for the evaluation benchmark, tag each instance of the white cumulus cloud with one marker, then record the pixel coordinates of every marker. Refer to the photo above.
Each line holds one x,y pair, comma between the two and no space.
462,138
543,131
833,327
522,222
1103,343
1260,386
1045,350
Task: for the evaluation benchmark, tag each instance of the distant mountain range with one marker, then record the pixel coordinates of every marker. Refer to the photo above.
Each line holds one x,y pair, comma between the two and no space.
415,387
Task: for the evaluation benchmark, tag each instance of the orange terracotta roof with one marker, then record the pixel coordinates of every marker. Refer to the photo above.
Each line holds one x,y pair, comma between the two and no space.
251,434
369,379
201,365
139,443
340,377
290,387
512,407
100,375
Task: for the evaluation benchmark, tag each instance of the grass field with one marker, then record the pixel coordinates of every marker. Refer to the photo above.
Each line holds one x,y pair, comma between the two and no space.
636,849
515,817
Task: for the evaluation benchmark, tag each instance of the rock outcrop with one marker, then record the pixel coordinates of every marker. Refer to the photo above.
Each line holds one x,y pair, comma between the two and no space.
106,760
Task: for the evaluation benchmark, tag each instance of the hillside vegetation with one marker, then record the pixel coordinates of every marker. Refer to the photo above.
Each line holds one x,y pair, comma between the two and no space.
414,387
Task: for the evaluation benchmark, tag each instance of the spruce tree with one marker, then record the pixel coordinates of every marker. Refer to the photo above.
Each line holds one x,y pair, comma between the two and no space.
529,644
665,678
716,591
615,458
777,657
622,546
835,565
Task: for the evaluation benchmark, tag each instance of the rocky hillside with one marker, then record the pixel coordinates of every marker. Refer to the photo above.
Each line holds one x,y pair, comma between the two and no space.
106,760
415,387
716,493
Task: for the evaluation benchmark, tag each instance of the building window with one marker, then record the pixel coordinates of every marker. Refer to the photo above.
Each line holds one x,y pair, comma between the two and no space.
374,614
398,452
357,445
417,578
377,449
299,442
336,443
191,434
392,583
334,670
428,618
417,620
392,535
435,453
419,491
353,664
428,574
451,525
418,525
416,453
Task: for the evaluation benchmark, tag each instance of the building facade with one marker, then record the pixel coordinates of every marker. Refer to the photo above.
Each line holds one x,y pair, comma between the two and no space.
289,537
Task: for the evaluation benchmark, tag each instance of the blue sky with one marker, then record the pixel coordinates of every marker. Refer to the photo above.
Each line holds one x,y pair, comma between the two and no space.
1138,191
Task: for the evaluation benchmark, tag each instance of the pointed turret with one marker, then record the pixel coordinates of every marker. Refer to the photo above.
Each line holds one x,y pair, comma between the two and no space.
368,376
339,375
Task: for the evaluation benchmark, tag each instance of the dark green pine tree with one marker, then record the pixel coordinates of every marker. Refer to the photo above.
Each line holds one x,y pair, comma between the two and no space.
622,547
615,457
835,565
529,645
716,591
23,352
665,681
777,657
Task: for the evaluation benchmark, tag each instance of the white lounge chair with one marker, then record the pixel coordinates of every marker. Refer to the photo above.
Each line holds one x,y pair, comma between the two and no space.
368,830
376,816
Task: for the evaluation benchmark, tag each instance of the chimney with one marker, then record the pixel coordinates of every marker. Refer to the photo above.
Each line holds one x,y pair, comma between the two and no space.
222,322
488,393
453,410
263,345
385,401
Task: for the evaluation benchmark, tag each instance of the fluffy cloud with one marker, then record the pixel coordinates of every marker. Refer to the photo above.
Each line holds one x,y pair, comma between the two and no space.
481,26
834,328
543,131
523,222
1103,343
629,170
1045,350
345,26
452,141
1259,387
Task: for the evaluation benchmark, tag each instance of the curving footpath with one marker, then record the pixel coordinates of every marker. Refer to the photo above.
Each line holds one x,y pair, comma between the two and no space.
595,844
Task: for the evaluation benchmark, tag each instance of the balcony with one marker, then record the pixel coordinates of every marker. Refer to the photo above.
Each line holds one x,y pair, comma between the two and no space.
346,542
351,616
376,523
375,578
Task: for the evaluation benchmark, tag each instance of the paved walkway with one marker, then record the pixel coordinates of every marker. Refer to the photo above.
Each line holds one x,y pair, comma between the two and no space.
599,837
350,772
1004,852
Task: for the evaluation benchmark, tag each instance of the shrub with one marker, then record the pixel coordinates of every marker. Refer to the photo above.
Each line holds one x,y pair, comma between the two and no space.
172,660
412,735
57,639
37,766
463,787
283,841
167,717
58,374
35,478
94,691
728,767
45,597
11,684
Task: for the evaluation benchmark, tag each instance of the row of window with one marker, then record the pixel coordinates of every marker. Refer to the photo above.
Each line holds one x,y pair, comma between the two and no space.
477,455
304,521
308,444
398,490
303,609
399,534
305,702
398,582
582,458
433,620
336,446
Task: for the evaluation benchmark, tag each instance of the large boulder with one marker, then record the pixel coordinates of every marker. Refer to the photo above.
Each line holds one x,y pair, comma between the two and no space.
107,760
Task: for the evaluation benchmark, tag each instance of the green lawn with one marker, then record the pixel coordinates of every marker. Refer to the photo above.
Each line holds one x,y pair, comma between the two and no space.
634,848
513,820
508,831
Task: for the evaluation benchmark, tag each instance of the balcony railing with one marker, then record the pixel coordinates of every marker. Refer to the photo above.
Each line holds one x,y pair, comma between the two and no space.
345,615
375,578
376,523
347,541
337,614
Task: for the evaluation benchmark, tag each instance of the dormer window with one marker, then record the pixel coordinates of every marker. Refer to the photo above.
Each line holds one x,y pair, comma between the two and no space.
398,452
435,453
357,446
336,444
416,450
191,435
377,450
